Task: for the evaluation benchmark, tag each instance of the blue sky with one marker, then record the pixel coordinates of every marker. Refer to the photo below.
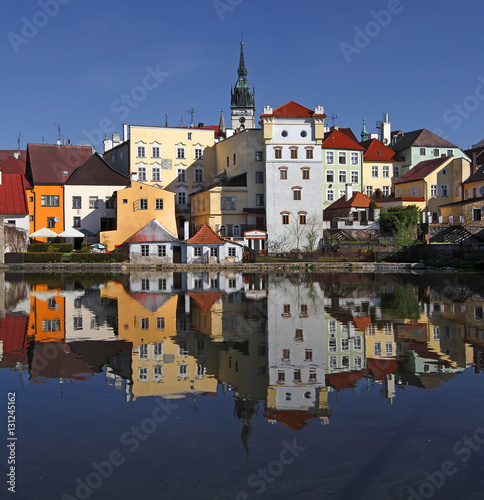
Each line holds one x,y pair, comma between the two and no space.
420,61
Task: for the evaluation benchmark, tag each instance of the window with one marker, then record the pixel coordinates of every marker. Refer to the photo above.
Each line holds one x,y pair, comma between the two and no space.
236,230
293,154
232,283
297,375
399,192
110,202
259,177
231,252
333,362
76,202
385,171
235,159
450,152
357,343
162,284
281,376
296,194
143,204
436,152
386,190
198,175
77,322
444,190
156,174
227,203
303,310
374,171
50,222
332,344
285,219
329,194
189,136
144,324
312,376
305,173
396,171
278,153
259,200
284,133
476,214
342,192
182,198
141,173
286,310
223,230
157,370
302,219
342,176
51,325
389,347
76,222
180,153
354,158
433,190
286,354
31,218
141,152
161,251
377,349
258,156
329,158
145,251
159,204
329,176
369,191
213,252
93,200
309,154
308,355
357,362
197,251
182,177
299,334
228,161
49,200
342,157
283,173
182,370
198,153
345,344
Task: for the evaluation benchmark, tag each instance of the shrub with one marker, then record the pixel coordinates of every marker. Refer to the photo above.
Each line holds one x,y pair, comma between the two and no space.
99,257
50,248
42,257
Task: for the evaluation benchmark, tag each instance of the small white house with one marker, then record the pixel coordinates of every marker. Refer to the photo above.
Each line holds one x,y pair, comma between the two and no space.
207,247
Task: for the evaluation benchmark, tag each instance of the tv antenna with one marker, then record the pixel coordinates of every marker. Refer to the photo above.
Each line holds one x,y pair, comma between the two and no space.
166,119
333,118
58,125
192,114
18,141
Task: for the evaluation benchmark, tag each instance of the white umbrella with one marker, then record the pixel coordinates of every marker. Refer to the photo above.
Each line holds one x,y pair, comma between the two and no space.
44,232
71,233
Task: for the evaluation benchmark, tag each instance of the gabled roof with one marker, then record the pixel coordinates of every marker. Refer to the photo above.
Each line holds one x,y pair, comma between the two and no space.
375,150
206,236
348,132
420,138
13,166
10,153
206,300
292,110
422,169
151,301
153,232
477,176
53,164
13,199
96,172
479,151
358,200
337,140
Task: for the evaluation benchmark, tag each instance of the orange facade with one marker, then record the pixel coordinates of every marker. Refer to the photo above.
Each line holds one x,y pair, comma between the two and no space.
46,207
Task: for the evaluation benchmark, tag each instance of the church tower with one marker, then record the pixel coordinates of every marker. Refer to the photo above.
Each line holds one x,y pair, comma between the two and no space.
242,102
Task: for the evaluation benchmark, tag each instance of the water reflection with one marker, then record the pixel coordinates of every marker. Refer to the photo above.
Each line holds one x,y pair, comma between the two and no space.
278,342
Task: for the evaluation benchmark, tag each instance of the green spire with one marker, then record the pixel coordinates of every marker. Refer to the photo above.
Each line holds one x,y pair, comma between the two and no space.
364,133
242,97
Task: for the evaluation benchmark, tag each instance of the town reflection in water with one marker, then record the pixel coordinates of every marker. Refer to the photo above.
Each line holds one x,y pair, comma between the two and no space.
280,343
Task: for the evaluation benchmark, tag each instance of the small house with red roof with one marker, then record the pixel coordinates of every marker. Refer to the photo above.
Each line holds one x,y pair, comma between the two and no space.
354,210
207,247
293,135
342,164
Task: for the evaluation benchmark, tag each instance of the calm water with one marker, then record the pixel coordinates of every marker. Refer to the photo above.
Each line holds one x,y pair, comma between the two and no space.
230,386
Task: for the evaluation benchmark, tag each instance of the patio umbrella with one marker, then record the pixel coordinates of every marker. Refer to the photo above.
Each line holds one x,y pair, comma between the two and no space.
71,233
44,232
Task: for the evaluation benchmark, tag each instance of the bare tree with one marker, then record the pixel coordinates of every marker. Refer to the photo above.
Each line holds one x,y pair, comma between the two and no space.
15,239
296,229
277,245
314,231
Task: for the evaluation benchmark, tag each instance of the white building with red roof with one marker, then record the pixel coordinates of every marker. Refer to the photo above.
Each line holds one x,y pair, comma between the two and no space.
293,135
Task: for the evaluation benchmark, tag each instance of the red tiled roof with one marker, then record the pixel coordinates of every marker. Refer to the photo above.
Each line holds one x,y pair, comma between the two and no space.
348,132
96,172
13,166
46,163
294,419
358,199
362,323
153,231
12,195
205,300
477,176
206,236
381,367
401,198
344,380
339,140
292,110
13,331
7,153
375,150
422,169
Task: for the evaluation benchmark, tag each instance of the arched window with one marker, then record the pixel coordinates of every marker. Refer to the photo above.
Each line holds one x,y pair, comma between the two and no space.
223,230
236,230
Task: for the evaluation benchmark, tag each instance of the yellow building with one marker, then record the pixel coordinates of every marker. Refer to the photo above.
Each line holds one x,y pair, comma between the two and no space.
436,182
136,206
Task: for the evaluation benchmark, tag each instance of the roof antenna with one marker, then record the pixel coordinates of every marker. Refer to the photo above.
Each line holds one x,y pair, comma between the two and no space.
333,118
59,132
18,142
166,119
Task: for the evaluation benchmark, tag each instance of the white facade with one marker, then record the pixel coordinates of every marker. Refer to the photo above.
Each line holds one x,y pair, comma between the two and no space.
90,204
160,252
214,254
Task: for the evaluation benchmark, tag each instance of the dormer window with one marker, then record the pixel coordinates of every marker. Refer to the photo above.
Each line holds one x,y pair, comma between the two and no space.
65,172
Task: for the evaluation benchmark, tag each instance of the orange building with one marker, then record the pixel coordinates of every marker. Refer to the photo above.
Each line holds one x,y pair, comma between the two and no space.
47,314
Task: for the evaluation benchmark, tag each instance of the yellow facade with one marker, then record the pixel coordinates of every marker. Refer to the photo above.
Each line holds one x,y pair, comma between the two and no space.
382,181
137,205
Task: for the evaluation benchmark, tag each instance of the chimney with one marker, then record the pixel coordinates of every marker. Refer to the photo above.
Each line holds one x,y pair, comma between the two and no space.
474,162
16,155
125,132
386,131
186,230
349,192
